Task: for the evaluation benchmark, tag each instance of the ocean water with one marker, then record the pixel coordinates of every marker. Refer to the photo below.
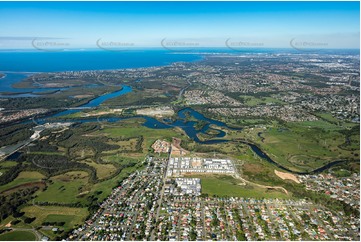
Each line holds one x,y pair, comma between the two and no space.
45,61
42,61
17,65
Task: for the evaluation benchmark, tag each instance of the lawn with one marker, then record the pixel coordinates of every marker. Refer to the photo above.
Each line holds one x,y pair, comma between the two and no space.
254,101
18,236
315,124
221,185
65,188
102,170
22,178
58,217
67,219
71,216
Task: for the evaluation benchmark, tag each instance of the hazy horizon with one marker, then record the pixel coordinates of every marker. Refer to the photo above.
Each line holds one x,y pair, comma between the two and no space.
74,25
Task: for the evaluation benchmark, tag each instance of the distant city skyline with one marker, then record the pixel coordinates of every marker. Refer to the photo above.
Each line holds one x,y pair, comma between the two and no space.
108,25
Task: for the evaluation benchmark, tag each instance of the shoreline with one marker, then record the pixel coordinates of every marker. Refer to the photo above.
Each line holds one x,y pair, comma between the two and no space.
27,74
197,57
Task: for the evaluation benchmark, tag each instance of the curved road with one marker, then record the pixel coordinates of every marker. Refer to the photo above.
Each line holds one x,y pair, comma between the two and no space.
37,234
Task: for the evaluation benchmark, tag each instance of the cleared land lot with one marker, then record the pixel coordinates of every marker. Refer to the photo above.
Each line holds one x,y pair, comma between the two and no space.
287,176
160,111
219,185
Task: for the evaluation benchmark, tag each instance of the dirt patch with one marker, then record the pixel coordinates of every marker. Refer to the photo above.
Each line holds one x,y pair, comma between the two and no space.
83,96
157,112
176,148
62,83
99,113
286,176
176,142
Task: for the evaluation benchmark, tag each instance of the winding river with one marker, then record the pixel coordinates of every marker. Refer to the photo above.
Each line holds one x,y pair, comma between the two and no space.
187,119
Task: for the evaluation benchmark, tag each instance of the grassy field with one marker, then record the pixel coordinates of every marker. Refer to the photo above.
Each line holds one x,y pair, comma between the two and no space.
137,97
121,158
287,145
22,178
71,216
70,187
107,186
20,225
321,124
219,185
18,236
128,145
65,188
102,170
7,164
254,101
131,129
328,117
301,146
355,142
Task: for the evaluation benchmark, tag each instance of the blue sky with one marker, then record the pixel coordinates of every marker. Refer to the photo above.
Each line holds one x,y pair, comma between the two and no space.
204,24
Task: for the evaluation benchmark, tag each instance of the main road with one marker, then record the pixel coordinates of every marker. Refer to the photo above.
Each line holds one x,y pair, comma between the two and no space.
162,192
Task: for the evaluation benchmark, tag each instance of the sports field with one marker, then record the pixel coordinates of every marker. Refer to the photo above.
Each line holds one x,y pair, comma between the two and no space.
18,236
222,186
70,216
